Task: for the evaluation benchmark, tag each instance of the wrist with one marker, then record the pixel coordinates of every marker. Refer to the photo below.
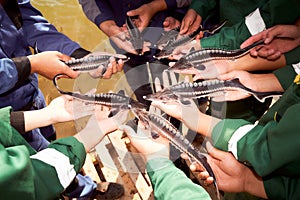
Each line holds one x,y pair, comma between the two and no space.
109,27
33,63
158,5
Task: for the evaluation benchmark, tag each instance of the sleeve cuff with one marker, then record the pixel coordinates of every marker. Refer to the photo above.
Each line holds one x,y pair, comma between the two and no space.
224,130
270,184
285,76
157,164
292,57
23,67
79,53
17,121
73,149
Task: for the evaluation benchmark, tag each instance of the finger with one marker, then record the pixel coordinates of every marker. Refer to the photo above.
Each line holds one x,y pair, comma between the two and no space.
196,167
120,65
184,156
128,130
92,91
184,26
275,56
108,72
157,85
209,181
265,52
173,78
63,57
71,73
252,39
165,78
213,152
67,97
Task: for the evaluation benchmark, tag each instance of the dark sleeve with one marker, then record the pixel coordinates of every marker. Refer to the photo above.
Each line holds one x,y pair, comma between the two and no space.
23,67
285,76
79,53
17,121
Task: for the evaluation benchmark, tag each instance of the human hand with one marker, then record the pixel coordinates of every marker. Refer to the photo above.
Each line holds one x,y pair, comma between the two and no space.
144,13
145,144
66,108
278,39
49,64
185,49
170,23
225,167
190,22
112,66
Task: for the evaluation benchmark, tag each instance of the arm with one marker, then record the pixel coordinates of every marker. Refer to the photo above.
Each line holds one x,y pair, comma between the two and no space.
168,181
278,39
244,140
231,37
38,30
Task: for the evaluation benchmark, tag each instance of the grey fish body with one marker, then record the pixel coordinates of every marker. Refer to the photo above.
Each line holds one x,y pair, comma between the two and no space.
114,100
195,59
172,45
93,62
207,88
167,37
136,38
164,128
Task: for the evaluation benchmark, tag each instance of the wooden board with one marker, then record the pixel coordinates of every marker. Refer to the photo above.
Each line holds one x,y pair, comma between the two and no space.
124,167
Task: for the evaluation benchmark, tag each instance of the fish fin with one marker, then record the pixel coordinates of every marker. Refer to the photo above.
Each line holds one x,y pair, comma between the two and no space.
154,135
185,102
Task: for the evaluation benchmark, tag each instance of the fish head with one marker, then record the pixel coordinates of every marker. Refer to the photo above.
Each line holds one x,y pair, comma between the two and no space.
183,66
163,53
165,96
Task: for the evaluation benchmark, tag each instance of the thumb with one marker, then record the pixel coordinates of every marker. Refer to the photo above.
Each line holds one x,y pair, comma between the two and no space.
128,130
213,152
132,13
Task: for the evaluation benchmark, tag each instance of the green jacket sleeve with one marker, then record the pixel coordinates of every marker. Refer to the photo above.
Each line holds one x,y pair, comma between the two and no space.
170,183
28,174
285,76
293,57
272,11
270,145
204,7
285,187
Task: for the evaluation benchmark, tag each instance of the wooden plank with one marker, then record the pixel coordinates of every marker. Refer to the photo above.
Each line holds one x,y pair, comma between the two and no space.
129,165
90,170
112,170
120,165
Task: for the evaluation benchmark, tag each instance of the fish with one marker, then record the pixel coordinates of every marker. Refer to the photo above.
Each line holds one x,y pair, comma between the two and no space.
93,61
136,38
209,88
162,127
172,45
192,63
167,37
113,100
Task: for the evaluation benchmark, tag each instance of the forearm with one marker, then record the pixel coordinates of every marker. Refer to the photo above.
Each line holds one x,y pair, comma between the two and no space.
266,83
249,63
202,124
92,134
109,27
158,5
37,118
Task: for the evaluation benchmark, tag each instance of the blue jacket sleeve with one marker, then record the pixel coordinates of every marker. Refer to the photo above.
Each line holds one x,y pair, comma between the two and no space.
38,30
